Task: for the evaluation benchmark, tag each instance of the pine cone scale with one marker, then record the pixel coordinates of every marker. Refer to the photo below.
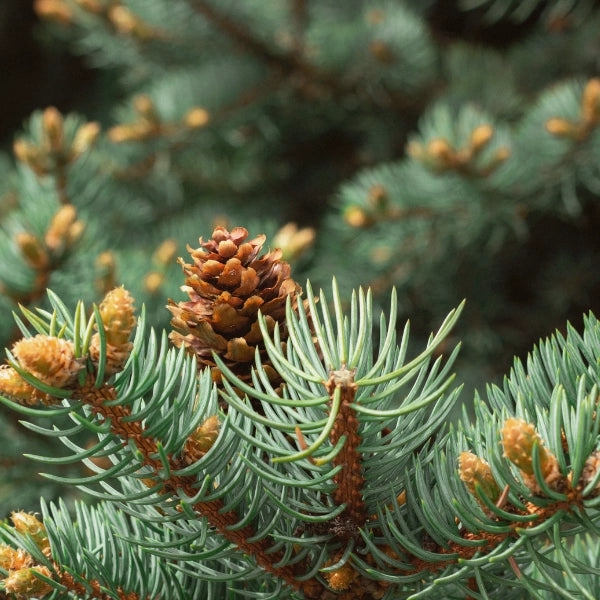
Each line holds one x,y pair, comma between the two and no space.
251,306
248,282
212,268
228,320
227,248
231,275
247,252
238,350
254,336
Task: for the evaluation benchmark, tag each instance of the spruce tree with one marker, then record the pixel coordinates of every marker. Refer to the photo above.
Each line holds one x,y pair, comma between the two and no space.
264,431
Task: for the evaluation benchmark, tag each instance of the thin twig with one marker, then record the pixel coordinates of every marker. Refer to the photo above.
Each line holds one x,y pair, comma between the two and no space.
349,479
223,521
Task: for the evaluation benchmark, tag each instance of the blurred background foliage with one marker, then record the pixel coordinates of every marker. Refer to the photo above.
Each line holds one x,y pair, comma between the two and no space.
445,147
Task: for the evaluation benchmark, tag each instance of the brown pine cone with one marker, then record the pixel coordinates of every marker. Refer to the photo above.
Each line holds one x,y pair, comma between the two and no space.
228,283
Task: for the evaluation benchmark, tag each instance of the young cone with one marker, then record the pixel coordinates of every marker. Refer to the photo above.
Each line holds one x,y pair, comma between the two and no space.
228,283
202,440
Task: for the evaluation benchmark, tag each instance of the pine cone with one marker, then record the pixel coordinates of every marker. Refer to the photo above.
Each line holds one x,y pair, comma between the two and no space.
228,283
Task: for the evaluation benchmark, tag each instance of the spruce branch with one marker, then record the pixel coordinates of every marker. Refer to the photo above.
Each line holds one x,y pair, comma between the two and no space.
90,588
319,462
310,79
174,481
348,480
50,151
337,479
47,254
290,64
102,400
163,469
55,147
31,574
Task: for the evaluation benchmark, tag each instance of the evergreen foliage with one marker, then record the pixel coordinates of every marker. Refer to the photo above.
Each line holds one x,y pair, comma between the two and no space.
341,482
426,151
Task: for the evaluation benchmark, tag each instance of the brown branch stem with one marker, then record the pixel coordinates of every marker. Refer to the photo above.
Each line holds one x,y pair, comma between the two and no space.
349,479
287,62
491,540
212,510
61,184
349,485
82,590
299,11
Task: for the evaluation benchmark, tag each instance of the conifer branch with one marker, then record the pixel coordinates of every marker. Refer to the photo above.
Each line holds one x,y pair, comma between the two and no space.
91,588
299,10
288,447
285,62
375,409
223,521
313,80
349,479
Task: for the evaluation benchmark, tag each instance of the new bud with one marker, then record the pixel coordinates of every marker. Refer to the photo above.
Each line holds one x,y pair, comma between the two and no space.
196,117
50,359
52,128
12,559
29,525
518,439
14,387
24,583
480,136
33,250
57,234
202,440
590,102
117,313
475,471
85,138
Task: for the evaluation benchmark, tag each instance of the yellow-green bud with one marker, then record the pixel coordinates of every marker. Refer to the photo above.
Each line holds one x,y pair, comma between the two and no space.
58,231
561,127
28,524
52,128
32,249
12,559
14,387
50,359
165,253
196,117
202,440
518,438
24,583
590,102
118,317
480,136
85,138
476,471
